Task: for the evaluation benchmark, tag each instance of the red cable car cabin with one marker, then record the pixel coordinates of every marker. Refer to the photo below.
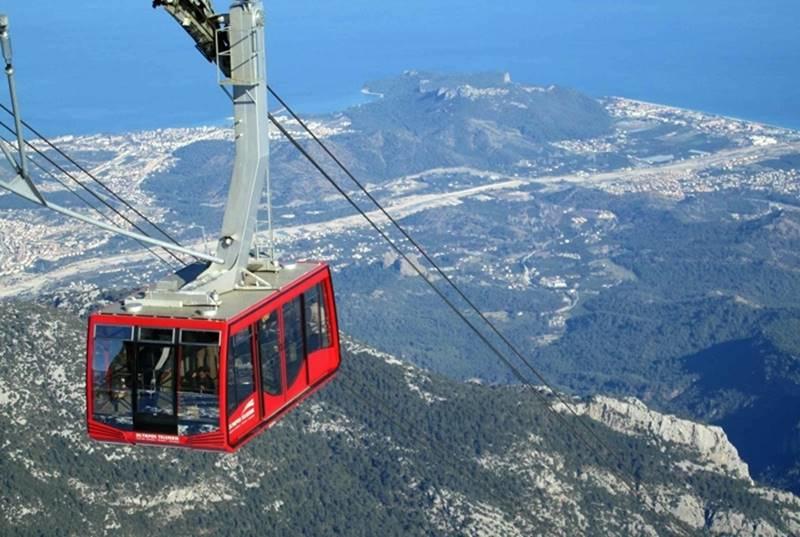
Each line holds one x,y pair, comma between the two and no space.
178,377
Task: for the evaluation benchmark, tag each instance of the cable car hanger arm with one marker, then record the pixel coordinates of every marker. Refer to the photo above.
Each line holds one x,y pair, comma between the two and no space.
202,24
235,43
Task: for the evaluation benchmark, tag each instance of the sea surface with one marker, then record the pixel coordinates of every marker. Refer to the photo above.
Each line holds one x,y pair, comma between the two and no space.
119,65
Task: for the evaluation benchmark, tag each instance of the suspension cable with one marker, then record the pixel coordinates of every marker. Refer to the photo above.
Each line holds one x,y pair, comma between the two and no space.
87,203
96,180
87,189
629,483
436,266
516,372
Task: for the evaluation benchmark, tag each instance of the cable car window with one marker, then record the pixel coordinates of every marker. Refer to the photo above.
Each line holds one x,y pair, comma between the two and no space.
317,332
294,341
124,333
270,354
198,337
112,376
157,335
155,381
240,369
198,388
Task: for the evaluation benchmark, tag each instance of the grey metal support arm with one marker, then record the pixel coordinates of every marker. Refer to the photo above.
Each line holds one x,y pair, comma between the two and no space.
235,43
20,167
240,54
23,186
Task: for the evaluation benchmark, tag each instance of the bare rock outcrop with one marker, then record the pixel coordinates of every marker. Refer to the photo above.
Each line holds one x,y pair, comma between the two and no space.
631,416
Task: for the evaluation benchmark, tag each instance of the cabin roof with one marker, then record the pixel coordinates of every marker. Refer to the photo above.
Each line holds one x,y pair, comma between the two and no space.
233,302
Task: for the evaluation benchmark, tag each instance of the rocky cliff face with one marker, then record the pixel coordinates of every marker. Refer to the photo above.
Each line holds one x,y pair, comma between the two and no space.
386,449
630,416
705,444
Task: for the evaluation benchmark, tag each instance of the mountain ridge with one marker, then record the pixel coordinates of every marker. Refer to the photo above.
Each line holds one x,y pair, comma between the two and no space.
619,259
509,469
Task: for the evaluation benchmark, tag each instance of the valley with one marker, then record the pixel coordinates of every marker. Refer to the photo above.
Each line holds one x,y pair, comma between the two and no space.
629,249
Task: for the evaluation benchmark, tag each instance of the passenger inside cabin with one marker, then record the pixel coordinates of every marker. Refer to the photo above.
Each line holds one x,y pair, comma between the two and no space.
203,383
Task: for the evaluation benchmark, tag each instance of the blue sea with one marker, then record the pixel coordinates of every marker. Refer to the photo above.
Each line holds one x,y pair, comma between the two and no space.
118,65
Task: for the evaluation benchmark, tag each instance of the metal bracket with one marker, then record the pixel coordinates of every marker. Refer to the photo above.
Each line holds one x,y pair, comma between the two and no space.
20,167
260,283
22,185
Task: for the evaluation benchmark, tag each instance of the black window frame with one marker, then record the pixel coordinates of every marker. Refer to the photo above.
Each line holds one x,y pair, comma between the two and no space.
230,405
293,374
323,328
119,380
142,348
160,332
198,339
279,389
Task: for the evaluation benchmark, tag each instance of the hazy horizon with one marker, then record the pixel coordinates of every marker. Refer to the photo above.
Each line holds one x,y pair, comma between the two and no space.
119,66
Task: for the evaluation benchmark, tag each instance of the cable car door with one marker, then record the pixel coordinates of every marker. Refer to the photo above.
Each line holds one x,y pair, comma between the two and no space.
270,354
294,348
154,389
243,406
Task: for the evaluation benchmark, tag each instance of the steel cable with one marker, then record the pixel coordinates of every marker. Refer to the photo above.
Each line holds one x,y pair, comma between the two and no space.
437,268
87,189
629,483
95,179
87,203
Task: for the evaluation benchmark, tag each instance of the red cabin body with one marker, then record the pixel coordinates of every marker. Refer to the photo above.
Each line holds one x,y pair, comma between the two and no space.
212,380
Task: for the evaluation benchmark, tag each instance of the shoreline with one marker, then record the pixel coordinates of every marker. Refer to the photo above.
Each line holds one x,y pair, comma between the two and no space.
341,103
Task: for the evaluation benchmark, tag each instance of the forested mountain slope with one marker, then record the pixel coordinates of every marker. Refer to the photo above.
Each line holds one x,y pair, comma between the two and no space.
386,449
